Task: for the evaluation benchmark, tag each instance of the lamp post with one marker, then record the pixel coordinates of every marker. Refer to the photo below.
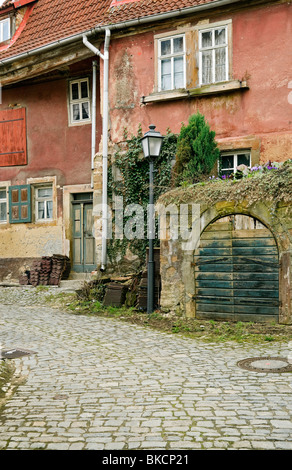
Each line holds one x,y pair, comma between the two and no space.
151,143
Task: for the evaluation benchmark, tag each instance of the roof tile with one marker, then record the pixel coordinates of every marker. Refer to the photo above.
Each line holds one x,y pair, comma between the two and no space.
53,20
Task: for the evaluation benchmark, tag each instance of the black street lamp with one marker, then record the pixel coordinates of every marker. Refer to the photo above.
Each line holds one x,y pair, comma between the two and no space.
151,143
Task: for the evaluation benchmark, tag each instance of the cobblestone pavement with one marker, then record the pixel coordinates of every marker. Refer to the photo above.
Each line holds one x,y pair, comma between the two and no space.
97,383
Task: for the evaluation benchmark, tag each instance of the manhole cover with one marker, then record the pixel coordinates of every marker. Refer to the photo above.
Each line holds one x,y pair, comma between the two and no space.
266,364
14,353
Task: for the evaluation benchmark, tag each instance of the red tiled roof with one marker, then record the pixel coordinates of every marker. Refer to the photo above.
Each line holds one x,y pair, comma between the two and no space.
6,4
54,20
142,8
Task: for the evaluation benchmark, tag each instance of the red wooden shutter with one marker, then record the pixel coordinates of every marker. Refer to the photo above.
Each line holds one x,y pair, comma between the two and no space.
13,137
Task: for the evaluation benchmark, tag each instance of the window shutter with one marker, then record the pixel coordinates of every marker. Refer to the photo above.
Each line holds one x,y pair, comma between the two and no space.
13,137
19,204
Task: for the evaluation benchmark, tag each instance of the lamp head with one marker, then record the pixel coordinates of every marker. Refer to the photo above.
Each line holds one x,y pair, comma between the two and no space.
152,142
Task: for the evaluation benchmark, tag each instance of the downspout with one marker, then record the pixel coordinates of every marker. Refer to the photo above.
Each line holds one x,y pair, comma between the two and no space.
105,57
93,118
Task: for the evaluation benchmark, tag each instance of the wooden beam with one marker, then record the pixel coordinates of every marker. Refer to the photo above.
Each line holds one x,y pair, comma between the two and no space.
37,65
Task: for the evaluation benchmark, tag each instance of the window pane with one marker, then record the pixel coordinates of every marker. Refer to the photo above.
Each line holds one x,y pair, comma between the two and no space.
220,36
2,194
41,210
3,211
165,47
84,90
178,72
45,192
49,209
207,67
227,161
76,112
243,159
166,74
178,44
6,32
85,110
207,39
220,64
75,91
226,172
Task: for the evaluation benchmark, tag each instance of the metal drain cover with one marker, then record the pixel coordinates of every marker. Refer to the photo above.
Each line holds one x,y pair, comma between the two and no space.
14,353
266,364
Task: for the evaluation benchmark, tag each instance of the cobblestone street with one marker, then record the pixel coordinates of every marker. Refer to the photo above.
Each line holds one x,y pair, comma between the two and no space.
98,383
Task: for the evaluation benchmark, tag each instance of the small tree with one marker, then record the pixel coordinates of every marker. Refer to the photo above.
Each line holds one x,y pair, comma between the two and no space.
197,151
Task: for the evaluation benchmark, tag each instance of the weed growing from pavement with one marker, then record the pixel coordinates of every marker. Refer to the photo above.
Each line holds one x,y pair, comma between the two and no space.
207,330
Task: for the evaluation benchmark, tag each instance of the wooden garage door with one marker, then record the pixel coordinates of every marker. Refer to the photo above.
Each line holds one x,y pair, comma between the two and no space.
237,271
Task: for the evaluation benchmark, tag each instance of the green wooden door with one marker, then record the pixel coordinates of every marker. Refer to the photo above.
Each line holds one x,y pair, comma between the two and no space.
237,271
83,240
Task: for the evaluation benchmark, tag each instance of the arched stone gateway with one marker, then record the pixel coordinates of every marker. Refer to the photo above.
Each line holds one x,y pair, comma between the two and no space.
236,270
240,268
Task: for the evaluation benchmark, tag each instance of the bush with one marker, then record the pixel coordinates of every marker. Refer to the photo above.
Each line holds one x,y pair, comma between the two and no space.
197,151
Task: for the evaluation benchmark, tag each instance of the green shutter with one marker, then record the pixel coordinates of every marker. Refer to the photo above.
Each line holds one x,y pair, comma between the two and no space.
19,204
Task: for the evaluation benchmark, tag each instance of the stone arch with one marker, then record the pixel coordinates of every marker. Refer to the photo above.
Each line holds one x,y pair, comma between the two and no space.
182,281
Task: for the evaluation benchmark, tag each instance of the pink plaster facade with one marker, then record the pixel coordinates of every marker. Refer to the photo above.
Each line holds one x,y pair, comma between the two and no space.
54,147
259,116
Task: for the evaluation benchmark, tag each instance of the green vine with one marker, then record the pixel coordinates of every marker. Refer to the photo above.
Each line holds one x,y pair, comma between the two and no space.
133,185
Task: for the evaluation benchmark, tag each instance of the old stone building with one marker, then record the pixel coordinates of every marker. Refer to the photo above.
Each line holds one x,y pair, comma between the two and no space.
76,74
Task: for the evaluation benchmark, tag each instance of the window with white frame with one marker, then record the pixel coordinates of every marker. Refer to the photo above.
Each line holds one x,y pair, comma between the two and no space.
79,101
171,63
5,32
231,160
3,205
213,55
44,203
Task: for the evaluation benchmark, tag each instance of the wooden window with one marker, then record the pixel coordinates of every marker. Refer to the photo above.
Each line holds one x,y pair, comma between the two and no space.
19,204
213,55
13,137
171,63
44,203
3,205
79,101
5,30
231,160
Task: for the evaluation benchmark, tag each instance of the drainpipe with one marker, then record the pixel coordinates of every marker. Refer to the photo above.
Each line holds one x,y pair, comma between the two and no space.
93,118
105,57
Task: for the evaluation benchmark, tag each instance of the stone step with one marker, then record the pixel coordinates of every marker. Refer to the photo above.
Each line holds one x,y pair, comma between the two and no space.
72,284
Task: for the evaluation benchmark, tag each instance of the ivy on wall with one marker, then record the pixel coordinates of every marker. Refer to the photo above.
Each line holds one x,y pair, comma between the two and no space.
132,184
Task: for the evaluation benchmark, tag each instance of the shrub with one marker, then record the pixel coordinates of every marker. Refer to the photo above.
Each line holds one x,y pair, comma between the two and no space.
197,151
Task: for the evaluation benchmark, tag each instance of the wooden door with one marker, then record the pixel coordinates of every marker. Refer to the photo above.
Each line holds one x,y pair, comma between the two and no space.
237,271
83,240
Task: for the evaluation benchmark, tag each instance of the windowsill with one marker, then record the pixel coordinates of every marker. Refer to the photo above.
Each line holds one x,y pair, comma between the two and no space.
43,221
80,123
205,90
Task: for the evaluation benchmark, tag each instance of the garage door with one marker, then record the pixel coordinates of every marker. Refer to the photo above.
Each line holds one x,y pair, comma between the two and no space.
237,271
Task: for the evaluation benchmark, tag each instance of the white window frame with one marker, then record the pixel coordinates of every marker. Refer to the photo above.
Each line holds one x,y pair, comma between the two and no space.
171,56
79,102
2,22
235,154
46,199
4,201
213,48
